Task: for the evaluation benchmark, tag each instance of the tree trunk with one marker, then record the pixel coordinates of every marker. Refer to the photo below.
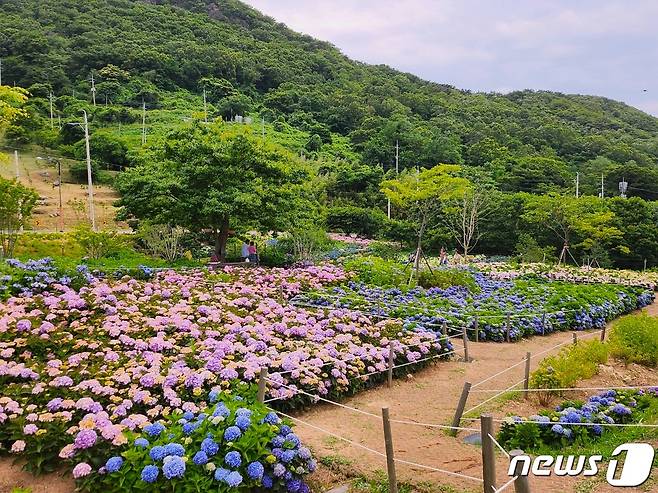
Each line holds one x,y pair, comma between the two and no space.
221,238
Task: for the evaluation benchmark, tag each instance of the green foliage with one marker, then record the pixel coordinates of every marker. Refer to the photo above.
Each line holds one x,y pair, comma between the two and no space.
634,339
78,171
16,205
444,278
570,365
378,271
218,178
97,244
529,251
349,219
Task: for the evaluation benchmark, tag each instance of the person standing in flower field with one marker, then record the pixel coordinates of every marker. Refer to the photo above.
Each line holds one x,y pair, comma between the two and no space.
253,253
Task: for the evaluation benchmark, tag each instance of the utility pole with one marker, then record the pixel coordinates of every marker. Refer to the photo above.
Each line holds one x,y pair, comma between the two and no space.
18,173
262,127
51,109
577,183
602,194
143,122
205,106
20,204
92,215
93,89
623,186
0,71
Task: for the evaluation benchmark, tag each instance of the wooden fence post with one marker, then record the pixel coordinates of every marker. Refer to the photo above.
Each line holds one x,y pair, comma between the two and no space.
603,334
390,458
543,323
575,338
507,327
389,382
444,328
465,338
526,381
262,381
456,420
476,327
521,484
488,456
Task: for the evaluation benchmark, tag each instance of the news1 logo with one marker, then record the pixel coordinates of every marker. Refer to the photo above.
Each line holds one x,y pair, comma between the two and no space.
630,465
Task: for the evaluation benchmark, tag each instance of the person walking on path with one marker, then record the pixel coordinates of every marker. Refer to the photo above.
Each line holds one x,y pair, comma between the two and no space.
245,251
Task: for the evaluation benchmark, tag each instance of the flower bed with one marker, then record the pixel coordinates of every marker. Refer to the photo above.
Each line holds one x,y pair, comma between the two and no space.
535,306
504,271
127,353
576,422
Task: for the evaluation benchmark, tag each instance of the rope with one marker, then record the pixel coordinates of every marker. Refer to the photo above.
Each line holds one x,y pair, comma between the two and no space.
638,387
493,397
506,485
376,452
498,444
498,374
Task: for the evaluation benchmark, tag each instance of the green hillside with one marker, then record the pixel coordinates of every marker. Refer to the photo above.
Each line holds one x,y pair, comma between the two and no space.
165,52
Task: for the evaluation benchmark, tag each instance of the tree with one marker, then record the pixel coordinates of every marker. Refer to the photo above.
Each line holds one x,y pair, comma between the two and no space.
12,100
462,218
16,206
218,179
589,219
420,193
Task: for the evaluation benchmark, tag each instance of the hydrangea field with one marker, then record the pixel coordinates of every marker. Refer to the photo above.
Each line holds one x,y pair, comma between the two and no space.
577,421
84,371
534,305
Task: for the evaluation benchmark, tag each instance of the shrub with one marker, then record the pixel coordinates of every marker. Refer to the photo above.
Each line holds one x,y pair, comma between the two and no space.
444,278
350,219
97,244
162,240
563,370
377,271
235,444
634,339
78,171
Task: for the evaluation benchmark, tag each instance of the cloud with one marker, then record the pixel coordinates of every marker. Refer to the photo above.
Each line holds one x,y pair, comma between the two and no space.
602,47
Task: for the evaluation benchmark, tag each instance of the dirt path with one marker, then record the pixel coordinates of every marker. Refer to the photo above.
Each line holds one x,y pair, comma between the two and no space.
430,397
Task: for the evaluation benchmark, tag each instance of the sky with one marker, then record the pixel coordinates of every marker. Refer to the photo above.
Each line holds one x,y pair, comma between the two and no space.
600,47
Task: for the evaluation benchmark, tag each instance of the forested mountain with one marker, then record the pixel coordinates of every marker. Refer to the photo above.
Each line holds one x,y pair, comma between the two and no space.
249,63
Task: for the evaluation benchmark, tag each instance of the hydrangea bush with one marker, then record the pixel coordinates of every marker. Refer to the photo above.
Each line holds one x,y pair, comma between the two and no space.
535,306
80,369
558,428
234,443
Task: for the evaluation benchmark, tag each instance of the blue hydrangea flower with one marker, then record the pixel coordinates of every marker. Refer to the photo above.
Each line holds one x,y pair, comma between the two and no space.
279,470
150,473
200,458
271,419
557,429
233,479
278,441
174,468
243,422
304,453
232,433
255,470
293,485
267,481
284,430
221,410
233,459
188,415
221,473
209,446
243,412
141,442
113,464
175,449
188,428
311,465
154,429
287,456
213,395
157,453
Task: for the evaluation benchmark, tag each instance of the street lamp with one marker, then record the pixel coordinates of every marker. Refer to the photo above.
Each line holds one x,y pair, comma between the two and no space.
85,125
58,163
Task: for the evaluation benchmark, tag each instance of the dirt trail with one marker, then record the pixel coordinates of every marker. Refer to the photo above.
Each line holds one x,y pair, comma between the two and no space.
430,396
